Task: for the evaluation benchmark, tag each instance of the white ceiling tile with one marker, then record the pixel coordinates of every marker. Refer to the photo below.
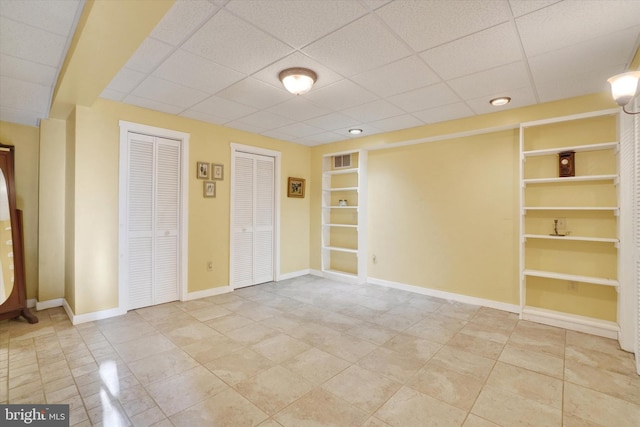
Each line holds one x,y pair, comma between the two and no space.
567,23
367,129
28,71
298,108
30,43
54,16
400,76
203,117
486,49
168,92
445,112
424,98
340,95
320,138
113,95
149,55
22,117
522,7
240,124
373,111
375,4
299,130
277,135
266,120
196,72
591,81
126,80
299,22
504,78
332,121
29,96
360,46
181,20
255,93
424,24
220,107
297,59
519,98
152,105
232,42
404,121
566,62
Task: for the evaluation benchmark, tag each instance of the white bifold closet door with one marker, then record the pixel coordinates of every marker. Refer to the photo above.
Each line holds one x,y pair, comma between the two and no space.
153,220
252,220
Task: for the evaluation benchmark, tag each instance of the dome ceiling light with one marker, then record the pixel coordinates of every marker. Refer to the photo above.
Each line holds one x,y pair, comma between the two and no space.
298,80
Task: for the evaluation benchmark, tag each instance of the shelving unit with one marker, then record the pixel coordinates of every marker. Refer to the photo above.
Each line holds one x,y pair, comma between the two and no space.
344,226
558,271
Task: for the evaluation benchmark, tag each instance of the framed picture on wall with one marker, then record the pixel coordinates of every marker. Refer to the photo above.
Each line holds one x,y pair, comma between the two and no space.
217,171
295,187
203,170
209,188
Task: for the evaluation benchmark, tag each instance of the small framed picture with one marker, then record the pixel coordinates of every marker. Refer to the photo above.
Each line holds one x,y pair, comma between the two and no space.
295,187
203,170
217,171
209,188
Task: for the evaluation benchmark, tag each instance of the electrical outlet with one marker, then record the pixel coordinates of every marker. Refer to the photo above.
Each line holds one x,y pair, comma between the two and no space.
210,266
562,225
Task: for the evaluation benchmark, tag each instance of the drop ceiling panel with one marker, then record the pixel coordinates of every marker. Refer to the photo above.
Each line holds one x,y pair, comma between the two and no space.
360,46
232,42
340,95
522,7
169,93
126,80
400,76
152,105
320,138
53,16
31,43
444,113
299,130
299,22
31,96
575,85
486,49
149,55
196,72
299,108
203,117
504,78
28,71
373,111
424,98
399,122
266,120
182,19
254,93
567,23
220,107
426,24
331,121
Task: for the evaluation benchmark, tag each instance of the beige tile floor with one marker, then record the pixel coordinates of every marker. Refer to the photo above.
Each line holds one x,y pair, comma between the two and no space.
312,352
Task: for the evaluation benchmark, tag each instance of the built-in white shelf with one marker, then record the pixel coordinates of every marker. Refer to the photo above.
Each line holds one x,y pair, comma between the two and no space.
570,237
612,177
339,249
342,225
571,277
576,148
571,208
341,171
341,189
341,207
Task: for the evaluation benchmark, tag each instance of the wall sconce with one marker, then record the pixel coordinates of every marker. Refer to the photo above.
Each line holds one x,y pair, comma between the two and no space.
298,80
624,87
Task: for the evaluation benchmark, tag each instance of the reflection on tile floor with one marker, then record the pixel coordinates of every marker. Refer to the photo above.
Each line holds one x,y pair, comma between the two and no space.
313,352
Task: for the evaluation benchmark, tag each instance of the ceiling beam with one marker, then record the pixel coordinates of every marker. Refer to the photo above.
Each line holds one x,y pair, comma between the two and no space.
108,33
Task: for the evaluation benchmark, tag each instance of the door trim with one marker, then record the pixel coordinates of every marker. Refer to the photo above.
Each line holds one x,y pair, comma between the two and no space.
125,128
241,148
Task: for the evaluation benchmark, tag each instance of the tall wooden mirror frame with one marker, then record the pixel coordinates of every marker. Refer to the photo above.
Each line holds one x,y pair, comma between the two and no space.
15,304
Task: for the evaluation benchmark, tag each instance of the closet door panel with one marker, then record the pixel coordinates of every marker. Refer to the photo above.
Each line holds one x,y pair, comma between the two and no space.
264,219
243,214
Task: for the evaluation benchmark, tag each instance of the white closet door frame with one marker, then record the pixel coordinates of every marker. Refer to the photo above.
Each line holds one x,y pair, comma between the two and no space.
125,128
240,148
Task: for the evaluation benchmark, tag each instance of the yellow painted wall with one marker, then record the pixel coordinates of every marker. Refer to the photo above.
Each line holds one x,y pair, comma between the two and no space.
25,139
444,215
51,219
69,213
96,158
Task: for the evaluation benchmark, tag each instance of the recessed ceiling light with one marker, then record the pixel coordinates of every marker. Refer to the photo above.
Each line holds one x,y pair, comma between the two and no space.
355,131
497,102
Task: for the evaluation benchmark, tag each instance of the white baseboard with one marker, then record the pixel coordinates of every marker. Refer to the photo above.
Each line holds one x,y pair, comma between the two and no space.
512,308
207,293
293,275
77,319
315,272
56,302
32,302
573,322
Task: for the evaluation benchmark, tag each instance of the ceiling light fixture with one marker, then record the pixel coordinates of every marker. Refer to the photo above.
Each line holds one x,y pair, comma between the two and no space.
498,102
355,131
298,80
624,87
